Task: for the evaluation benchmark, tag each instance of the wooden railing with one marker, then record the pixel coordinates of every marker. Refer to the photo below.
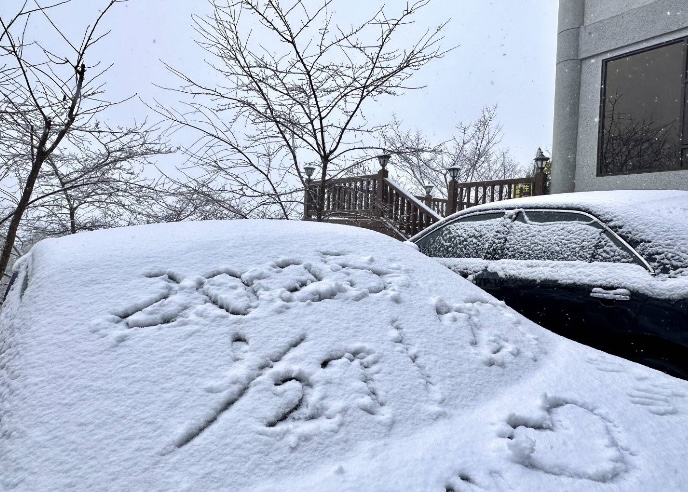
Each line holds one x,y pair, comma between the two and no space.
373,201
352,196
376,202
408,214
439,205
479,192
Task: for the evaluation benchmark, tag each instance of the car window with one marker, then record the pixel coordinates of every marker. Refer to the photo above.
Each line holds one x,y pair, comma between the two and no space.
473,236
562,236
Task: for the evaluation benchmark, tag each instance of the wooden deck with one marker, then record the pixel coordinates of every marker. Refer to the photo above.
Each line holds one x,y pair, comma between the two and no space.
377,202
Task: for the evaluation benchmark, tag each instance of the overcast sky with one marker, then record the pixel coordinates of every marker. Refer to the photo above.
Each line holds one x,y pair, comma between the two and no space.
505,55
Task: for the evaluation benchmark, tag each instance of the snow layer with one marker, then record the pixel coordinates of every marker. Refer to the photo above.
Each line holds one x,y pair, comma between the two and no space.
253,355
604,275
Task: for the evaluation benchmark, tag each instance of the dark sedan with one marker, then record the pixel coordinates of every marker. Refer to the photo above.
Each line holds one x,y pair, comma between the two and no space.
608,269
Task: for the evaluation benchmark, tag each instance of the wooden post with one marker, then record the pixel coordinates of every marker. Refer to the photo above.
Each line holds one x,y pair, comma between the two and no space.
451,197
306,201
380,197
539,186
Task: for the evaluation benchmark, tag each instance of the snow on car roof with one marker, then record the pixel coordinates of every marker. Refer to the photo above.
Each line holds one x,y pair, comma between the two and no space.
275,355
654,222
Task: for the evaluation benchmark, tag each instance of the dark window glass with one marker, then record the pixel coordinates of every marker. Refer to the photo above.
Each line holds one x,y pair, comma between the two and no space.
474,236
642,109
684,129
562,236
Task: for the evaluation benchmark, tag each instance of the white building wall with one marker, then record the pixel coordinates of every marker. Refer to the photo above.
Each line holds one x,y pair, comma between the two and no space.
606,28
596,10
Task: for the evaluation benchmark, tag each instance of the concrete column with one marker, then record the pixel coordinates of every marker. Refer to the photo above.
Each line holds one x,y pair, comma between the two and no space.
567,96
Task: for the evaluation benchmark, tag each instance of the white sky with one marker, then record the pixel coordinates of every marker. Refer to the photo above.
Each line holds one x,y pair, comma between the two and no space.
505,56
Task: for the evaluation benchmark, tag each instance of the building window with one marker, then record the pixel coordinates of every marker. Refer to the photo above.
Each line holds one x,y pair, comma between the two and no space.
644,121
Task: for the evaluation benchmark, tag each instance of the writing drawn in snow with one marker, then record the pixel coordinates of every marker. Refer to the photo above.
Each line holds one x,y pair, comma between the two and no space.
277,285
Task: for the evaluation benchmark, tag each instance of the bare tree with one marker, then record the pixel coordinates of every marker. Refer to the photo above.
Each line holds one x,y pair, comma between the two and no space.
417,161
295,87
50,96
89,188
195,198
474,149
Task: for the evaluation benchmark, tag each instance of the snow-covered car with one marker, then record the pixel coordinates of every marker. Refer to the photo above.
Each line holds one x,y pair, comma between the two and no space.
276,355
608,269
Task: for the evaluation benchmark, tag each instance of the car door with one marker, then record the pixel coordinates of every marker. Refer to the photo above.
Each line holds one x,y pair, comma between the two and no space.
558,270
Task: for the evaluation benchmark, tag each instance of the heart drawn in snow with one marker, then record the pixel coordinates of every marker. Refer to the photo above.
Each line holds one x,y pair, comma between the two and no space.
566,439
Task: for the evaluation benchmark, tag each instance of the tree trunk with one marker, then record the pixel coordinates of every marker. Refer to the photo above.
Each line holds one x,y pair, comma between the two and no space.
320,199
72,219
18,213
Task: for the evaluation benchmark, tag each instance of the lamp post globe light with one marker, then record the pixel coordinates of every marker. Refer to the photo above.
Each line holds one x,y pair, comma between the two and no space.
454,172
540,161
383,159
309,171
428,189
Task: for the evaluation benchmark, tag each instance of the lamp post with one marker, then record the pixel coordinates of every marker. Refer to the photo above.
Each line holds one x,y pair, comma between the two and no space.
452,190
428,194
309,170
383,160
540,161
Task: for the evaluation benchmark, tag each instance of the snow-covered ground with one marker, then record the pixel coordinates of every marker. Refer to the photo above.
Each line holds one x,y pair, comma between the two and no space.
276,356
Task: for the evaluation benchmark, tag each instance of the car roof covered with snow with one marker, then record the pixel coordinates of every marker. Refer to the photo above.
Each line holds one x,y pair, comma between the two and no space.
279,355
653,222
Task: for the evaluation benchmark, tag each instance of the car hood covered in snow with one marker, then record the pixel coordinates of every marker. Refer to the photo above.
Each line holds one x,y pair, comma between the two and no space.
263,355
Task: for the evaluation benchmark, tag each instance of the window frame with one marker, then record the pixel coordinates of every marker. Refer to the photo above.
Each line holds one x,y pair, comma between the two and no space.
683,132
640,261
